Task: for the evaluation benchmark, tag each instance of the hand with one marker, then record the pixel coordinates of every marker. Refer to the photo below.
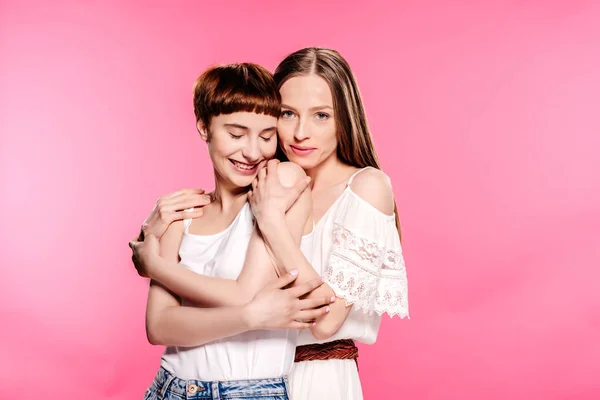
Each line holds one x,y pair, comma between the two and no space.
268,198
169,208
146,255
278,308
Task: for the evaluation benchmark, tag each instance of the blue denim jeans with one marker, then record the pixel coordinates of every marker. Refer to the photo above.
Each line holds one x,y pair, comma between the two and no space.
166,386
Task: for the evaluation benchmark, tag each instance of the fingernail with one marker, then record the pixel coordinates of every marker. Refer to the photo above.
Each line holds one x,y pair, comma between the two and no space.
314,323
332,299
293,272
327,309
308,179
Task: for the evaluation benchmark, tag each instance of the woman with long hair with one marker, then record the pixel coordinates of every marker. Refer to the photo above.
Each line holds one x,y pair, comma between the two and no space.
355,239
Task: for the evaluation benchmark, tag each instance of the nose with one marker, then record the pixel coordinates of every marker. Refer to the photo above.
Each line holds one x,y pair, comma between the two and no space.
302,131
251,152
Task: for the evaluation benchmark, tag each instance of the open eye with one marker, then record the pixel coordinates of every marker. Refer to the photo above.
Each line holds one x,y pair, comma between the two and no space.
287,114
321,116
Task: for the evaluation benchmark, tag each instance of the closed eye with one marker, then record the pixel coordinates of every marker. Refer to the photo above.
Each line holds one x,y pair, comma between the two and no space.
235,136
266,139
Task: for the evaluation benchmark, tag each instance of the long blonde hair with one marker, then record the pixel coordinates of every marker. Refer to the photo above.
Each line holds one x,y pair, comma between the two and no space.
355,146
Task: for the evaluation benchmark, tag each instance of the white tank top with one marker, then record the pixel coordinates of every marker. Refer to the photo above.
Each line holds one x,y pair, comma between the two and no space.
249,355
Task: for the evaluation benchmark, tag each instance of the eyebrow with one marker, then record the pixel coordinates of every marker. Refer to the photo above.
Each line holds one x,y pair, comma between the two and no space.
238,126
311,109
321,108
245,128
269,130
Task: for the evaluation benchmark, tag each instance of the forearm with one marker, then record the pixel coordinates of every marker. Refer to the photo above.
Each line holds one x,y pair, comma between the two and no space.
191,326
259,267
286,251
288,255
204,290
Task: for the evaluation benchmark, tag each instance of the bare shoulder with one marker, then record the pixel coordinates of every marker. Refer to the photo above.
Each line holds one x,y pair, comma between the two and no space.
375,187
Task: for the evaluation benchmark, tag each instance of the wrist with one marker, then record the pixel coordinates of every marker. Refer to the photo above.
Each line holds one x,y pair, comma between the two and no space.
154,266
272,224
248,317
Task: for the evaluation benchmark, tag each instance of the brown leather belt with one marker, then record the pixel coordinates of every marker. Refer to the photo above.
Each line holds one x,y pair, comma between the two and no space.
344,349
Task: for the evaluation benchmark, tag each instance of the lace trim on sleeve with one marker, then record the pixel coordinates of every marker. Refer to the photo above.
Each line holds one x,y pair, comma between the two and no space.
366,275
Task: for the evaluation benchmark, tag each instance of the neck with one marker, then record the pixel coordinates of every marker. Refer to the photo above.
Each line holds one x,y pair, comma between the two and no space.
227,196
327,173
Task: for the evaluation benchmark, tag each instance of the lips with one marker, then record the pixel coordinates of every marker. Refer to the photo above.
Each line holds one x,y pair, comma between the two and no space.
244,168
302,150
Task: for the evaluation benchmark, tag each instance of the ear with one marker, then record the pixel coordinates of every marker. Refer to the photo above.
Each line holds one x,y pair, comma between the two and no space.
202,130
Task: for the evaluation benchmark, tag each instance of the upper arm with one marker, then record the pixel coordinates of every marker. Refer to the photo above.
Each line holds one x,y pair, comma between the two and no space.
160,297
375,187
170,242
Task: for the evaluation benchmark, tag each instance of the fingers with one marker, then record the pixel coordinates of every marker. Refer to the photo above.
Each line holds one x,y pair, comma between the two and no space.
284,280
191,201
262,174
149,240
306,304
304,288
271,169
182,192
139,268
133,243
187,215
254,183
300,325
170,217
300,187
308,315
183,202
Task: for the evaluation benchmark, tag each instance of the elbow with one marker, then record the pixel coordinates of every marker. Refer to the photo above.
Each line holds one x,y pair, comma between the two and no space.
290,173
324,330
153,339
154,335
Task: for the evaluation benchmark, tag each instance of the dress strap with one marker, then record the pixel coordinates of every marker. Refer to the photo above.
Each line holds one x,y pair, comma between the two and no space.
187,222
356,173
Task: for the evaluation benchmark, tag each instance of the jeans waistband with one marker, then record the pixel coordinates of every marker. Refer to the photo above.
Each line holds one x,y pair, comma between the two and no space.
165,382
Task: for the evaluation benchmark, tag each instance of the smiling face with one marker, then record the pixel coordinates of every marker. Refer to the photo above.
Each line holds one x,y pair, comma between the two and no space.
239,144
307,127
236,108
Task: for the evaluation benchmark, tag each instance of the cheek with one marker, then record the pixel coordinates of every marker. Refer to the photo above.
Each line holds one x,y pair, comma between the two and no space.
285,130
327,136
220,147
268,149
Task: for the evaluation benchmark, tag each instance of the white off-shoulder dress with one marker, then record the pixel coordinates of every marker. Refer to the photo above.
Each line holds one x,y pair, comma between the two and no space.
357,249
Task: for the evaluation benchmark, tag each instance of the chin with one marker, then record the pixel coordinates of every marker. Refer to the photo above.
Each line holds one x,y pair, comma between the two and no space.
242,181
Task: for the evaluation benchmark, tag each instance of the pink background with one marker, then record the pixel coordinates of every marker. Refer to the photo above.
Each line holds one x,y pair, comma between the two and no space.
487,118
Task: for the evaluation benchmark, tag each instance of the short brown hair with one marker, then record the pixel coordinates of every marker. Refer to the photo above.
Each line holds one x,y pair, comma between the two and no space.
226,89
